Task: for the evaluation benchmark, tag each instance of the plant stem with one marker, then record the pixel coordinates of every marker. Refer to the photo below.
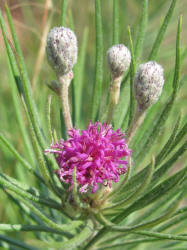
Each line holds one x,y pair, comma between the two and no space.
65,81
114,97
138,119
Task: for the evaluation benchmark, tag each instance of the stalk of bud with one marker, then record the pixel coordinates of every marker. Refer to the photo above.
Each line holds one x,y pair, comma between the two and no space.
61,50
118,58
148,84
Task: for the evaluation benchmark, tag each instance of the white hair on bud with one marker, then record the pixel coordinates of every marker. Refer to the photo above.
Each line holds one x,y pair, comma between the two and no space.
148,84
61,49
119,58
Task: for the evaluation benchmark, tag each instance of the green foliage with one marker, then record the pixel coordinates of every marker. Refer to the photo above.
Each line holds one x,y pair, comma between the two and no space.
148,206
99,61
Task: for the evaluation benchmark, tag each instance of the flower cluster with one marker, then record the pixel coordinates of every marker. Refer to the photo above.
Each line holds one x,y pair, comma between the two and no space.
99,154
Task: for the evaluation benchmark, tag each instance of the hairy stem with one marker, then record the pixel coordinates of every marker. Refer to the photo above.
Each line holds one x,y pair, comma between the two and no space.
138,119
65,81
114,97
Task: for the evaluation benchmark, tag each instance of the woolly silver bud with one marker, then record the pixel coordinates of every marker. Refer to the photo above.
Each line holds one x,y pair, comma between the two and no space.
61,49
148,84
119,58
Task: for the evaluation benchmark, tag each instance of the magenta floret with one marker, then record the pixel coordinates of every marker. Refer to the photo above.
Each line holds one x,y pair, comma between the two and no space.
99,154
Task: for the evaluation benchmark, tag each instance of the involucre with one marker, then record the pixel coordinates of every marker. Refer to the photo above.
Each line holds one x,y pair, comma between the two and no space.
61,49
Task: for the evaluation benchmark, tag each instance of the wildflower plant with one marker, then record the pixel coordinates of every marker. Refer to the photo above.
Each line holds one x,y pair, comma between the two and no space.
91,187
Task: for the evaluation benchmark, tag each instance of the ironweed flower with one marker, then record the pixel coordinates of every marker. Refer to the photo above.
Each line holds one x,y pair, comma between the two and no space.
99,154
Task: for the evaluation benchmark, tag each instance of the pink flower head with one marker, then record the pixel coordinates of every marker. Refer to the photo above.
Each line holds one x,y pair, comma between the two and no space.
99,154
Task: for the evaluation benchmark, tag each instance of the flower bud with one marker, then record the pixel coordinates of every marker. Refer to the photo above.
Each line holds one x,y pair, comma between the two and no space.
119,58
148,84
61,49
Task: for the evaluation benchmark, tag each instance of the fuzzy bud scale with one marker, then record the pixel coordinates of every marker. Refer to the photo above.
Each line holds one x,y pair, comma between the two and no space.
61,49
119,58
148,84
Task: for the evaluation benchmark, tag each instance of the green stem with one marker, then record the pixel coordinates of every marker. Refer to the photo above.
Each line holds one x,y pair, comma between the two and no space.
103,220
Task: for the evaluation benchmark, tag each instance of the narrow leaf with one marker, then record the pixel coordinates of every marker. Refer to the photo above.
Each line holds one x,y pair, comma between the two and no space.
78,79
26,84
28,228
150,212
23,209
41,161
170,210
63,12
99,61
173,222
176,79
132,74
5,182
142,29
122,183
161,32
168,144
168,164
20,158
49,119
17,243
179,137
19,117
79,239
162,236
115,21
160,190
64,228
137,192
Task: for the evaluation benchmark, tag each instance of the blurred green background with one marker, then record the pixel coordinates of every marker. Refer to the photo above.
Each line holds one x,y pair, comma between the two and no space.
33,18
